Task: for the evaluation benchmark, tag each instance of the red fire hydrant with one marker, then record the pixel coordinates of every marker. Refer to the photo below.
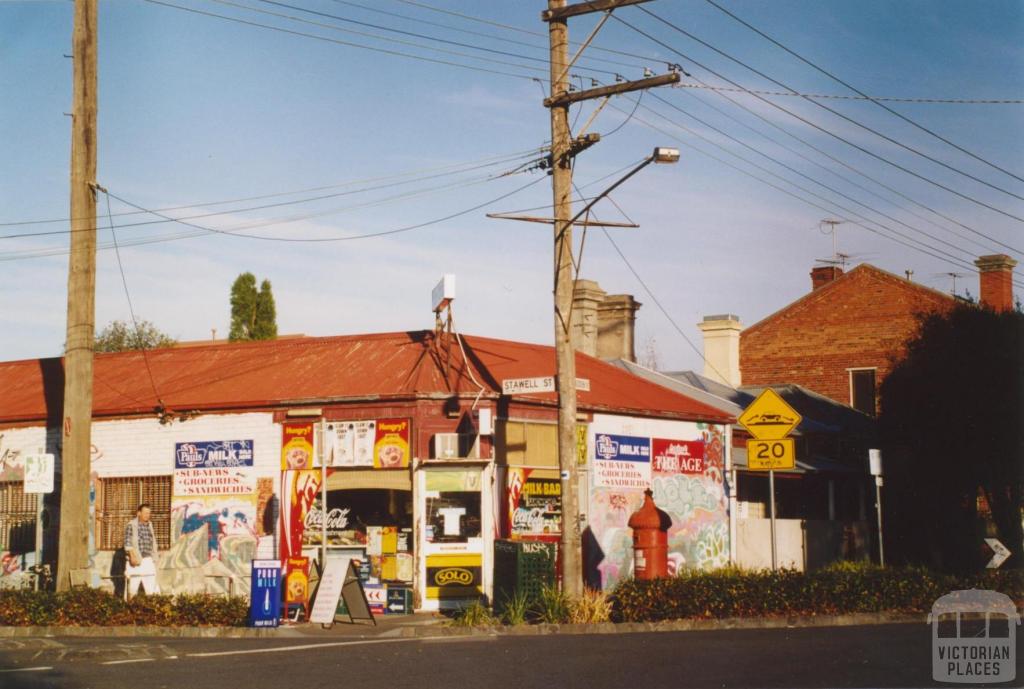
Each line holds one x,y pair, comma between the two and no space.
650,539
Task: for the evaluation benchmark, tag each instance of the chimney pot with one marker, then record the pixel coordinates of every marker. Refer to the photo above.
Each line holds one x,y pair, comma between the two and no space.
995,275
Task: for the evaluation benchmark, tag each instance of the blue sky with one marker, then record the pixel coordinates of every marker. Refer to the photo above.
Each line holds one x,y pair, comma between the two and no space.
194,110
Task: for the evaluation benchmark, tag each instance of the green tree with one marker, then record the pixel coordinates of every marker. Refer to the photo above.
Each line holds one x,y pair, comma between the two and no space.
119,336
952,428
253,313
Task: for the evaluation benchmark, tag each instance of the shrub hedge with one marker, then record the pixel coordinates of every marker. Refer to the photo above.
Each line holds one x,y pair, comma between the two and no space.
840,589
84,607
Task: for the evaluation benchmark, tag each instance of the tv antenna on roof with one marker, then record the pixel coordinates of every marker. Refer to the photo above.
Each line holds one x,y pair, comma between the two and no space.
833,225
954,276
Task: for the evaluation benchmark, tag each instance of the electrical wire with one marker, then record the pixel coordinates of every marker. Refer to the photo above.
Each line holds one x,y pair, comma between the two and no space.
336,41
384,233
453,168
131,308
280,204
836,96
860,93
842,163
823,129
628,118
827,209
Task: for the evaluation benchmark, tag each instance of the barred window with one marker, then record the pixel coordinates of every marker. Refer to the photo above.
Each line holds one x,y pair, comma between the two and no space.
17,518
118,500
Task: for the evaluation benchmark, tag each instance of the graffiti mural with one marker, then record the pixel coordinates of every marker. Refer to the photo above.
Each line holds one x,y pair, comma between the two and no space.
693,494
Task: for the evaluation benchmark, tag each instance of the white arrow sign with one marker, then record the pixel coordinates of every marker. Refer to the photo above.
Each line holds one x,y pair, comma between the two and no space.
1001,553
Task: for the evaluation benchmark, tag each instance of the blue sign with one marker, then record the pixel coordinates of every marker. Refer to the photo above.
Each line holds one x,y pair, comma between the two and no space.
213,454
622,448
265,600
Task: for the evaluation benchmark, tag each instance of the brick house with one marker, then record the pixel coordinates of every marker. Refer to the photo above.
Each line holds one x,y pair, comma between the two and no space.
840,339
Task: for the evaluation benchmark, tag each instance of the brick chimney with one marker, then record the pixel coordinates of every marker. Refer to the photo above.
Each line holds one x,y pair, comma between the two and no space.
603,324
822,275
995,273
587,296
722,348
616,321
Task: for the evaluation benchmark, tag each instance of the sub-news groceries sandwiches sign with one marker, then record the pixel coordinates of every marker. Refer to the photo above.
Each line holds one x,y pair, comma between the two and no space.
629,462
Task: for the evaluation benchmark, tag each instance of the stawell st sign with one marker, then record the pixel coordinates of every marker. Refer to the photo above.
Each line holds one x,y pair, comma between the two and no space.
622,461
209,454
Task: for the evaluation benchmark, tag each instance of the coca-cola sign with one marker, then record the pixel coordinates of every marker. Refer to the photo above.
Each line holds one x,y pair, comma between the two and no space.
337,519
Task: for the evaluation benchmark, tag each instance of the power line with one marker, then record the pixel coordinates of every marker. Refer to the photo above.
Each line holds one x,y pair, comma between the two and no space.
806,176
852,168
280,204
347,238
128,297
470,32
820,128
860,93
453,168
830,210
836,96
337,41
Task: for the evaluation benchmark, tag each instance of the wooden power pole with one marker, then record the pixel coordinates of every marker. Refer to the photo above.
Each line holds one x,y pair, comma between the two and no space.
562,153
73,550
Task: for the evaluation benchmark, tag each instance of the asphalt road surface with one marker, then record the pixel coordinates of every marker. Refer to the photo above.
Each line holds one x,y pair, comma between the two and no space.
897,655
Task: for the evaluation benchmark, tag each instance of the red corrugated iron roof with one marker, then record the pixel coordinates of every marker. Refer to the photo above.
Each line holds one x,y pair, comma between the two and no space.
256,375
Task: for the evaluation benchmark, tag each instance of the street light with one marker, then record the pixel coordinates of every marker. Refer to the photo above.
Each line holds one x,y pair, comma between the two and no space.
565,374
661,155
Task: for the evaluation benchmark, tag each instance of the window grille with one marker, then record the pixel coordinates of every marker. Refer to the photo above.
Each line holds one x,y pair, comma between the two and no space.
17,518
120,497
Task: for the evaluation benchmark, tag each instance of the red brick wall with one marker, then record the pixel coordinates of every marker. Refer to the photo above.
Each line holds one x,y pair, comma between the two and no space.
859,321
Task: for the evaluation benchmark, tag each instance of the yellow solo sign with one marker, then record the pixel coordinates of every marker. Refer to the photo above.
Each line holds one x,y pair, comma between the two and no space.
766,455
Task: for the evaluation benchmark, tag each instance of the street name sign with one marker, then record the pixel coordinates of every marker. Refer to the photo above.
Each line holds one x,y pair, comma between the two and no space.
766,455
526,386
769,417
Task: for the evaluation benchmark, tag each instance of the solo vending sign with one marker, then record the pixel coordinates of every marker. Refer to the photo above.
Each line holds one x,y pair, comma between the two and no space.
265,594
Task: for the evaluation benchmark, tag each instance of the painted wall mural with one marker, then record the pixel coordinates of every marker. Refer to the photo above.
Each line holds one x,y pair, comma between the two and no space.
687,478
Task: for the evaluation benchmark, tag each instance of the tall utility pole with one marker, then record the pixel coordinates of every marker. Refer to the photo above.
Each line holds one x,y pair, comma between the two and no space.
73,550
562,153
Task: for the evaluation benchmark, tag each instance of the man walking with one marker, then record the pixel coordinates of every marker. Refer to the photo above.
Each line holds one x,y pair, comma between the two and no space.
141,548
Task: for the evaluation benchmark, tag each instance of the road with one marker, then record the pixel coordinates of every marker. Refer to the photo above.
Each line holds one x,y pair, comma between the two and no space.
897,655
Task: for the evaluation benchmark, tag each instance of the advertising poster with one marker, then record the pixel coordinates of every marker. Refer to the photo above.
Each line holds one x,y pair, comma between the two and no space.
622,461
671,457
224,481
454,576
341,444
538,510
208,454
391,448
365,435
296,445
296,581
299,492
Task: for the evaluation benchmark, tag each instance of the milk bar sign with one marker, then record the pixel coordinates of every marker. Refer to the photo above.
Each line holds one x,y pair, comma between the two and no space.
526,386
211,454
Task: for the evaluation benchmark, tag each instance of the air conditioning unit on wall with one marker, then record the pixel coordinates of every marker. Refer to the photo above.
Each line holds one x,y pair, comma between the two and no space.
456,446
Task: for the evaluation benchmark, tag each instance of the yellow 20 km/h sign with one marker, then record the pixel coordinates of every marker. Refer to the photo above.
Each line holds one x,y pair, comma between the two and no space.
769,417
766,455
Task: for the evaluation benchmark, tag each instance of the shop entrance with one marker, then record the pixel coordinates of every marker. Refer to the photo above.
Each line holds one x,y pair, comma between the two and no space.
457,527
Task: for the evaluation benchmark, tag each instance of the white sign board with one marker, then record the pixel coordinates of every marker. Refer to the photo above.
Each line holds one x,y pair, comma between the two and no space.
526,386
339,579
999,553
39,473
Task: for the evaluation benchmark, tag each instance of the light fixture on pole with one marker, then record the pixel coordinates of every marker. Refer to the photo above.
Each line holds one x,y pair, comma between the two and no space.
875,466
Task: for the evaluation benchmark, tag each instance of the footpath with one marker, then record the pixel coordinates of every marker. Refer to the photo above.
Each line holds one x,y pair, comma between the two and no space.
428,625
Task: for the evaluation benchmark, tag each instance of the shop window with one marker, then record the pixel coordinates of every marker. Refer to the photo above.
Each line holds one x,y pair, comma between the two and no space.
862,390
453,517
118,500
17,518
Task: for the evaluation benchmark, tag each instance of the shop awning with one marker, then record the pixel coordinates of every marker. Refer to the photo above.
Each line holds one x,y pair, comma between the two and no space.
384,479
